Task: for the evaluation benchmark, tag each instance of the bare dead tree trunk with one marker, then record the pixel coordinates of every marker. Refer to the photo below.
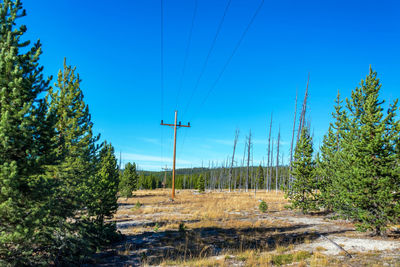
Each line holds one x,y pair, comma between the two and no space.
253,177
263,169
235,179
271,164
233,158
282,171
242,167
248,161
277,159
303,110
291,144
221,176
226,174
269,150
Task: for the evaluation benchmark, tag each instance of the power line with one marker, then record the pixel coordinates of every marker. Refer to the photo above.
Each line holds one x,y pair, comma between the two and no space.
162,70
234,51
232,54
208,55
186,53
162,55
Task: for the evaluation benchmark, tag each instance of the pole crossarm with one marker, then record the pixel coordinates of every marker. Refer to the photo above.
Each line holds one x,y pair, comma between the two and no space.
173,125
176,126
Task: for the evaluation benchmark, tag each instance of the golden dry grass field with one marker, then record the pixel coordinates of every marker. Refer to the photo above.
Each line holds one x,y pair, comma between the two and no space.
228,229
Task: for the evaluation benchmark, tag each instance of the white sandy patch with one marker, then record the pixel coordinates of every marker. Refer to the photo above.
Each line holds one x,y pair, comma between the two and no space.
350,245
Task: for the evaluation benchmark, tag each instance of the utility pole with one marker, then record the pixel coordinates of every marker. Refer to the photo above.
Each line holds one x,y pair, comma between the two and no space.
176,126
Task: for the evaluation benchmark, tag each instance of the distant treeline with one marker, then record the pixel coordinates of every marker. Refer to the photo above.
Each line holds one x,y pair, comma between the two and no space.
260,178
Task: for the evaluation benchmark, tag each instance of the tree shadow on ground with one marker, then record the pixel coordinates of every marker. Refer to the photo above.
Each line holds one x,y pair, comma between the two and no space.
156,247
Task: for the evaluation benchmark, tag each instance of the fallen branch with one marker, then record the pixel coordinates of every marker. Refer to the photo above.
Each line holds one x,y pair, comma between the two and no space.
337,245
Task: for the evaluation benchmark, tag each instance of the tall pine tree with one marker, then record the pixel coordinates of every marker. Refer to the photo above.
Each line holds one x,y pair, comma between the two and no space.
26,147
328,161
368,176
303,192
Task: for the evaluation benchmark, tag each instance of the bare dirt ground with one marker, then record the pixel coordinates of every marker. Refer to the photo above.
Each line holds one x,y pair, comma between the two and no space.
227,229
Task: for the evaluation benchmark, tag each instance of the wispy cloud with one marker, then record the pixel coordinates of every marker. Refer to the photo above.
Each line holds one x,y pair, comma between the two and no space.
222,141
254,141
150,140
149,158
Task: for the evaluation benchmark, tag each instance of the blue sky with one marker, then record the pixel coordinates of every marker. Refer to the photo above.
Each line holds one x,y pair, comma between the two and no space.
116,48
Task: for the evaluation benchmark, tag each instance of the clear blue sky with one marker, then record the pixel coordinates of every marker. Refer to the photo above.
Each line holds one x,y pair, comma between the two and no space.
116,48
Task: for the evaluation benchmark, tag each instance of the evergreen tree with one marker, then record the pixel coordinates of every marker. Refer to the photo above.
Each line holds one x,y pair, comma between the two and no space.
26,147
77,168
303,193
200,183
77,144
328,161
260,177
104,191
106,181
129,180
369,172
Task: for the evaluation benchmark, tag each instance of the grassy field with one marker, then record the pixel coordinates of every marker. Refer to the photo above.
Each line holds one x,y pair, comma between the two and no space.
228,229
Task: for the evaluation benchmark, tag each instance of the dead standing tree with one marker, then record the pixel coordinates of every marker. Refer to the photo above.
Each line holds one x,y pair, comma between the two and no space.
233,158
271,164
268,159
242,167
277,160
248,161
291,144
303,110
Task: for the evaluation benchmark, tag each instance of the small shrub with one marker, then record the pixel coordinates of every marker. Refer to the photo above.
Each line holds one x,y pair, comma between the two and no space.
282,259
301,255
263,206
137,206
156,228
182,227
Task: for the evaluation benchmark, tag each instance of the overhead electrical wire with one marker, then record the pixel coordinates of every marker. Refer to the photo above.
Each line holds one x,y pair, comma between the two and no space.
227,62
162,72
208,55
186,53
162,56
232,54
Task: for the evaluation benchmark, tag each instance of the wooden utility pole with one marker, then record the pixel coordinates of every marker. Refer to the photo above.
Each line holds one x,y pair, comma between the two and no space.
176,126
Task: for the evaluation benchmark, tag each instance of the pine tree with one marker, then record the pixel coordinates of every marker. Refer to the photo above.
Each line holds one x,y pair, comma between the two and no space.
260,177
75,139
369,173
129,180
26,147
105,185
200,183
103,190
303,193
328,162
78,159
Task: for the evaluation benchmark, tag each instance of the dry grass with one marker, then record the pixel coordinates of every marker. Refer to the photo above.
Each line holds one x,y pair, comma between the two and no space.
227,221
206,208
